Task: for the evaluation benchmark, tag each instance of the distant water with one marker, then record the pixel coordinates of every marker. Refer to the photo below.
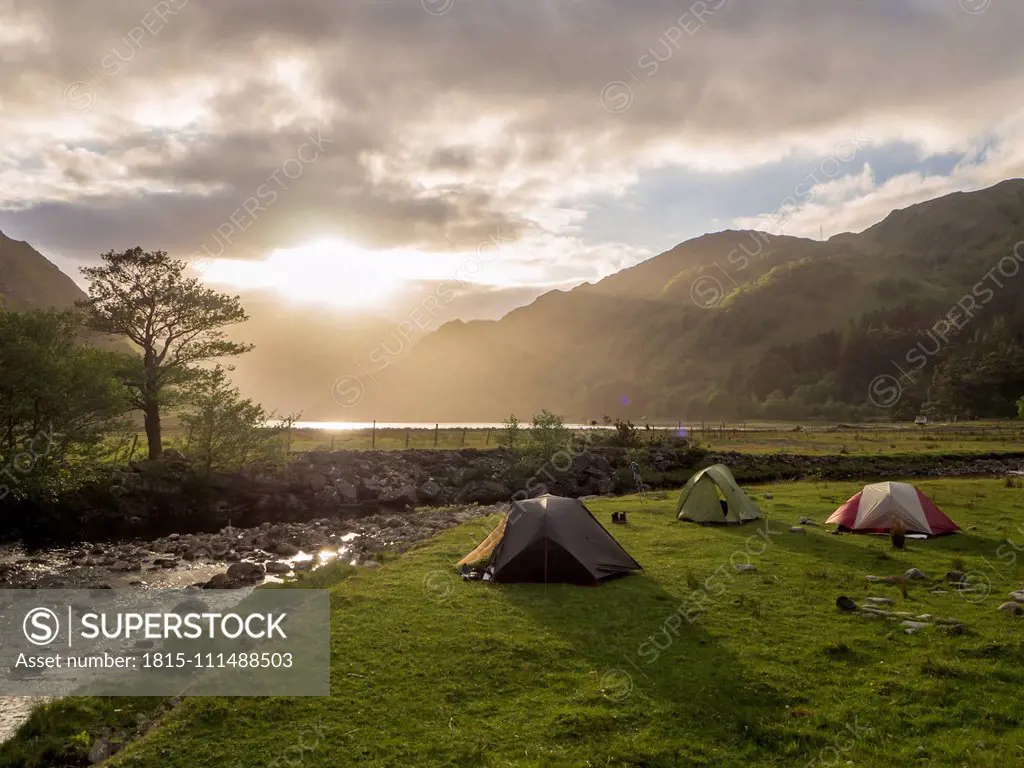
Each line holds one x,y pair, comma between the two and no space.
344,426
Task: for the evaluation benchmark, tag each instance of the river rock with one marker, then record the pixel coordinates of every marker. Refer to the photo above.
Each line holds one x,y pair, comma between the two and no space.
246,572
285,549
483,492
220,581
431,490
277,567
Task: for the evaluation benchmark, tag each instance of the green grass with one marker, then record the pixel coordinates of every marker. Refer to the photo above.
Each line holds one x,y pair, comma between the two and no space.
866,440
762,437
60,733
430,670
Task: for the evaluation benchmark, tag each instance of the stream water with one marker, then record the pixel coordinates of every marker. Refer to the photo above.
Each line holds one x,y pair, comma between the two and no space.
54,569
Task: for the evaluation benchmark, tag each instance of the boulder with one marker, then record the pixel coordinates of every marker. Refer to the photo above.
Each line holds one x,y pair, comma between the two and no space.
220,581
246,572
431,490
483,492
347,492
277,567
285,549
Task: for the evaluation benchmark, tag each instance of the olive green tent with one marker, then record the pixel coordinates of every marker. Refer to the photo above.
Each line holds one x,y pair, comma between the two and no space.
700,502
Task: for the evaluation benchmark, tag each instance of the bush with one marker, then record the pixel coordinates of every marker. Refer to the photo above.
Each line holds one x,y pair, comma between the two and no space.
548,434
226,431
625,435
511,435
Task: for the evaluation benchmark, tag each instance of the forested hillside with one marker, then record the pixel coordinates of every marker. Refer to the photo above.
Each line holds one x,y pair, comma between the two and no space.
920,311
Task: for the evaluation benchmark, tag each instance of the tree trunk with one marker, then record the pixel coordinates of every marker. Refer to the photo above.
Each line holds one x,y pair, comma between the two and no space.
153,434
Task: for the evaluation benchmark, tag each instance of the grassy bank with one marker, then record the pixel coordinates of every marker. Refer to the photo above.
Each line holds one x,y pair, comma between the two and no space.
429,670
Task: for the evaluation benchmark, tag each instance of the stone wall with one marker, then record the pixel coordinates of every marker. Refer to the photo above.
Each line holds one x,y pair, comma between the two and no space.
157,498
151,499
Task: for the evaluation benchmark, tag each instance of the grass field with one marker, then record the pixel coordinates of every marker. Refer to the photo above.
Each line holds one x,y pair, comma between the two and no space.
759,438
687,663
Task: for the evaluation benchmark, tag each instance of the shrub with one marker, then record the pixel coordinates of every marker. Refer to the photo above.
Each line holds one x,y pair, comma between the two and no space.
548,434
511,435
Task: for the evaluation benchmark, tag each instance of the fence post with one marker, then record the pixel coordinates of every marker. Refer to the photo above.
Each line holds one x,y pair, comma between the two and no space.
373,435
436,428
463,435
487,440
407,438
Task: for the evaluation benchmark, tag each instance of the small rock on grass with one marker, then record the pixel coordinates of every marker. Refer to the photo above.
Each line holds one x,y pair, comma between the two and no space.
915,574
798,529
746,568
1014,609
911,627
845,604
955,577
1017,597
880,600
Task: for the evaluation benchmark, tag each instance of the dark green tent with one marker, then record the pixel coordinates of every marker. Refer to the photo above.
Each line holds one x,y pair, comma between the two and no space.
550,539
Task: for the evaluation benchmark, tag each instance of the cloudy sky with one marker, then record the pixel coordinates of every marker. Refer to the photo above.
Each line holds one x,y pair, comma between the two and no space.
338,147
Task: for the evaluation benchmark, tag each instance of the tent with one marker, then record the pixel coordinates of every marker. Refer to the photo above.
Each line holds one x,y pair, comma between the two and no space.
699,500
550,539
876,506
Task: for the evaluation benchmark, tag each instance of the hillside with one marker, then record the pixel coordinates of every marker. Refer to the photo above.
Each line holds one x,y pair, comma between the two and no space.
29,281
720,325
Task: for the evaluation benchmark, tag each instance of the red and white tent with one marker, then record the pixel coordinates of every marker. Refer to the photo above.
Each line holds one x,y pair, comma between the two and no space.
874,509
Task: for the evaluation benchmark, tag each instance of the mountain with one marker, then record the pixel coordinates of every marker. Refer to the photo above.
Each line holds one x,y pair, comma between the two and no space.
729,324
29,281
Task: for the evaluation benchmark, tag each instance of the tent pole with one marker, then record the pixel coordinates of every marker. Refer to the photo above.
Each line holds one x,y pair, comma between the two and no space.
545,548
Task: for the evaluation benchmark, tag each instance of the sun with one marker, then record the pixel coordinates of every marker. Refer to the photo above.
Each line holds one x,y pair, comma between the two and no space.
330,271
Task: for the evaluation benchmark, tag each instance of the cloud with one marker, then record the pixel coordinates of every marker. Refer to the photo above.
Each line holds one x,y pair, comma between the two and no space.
153,124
